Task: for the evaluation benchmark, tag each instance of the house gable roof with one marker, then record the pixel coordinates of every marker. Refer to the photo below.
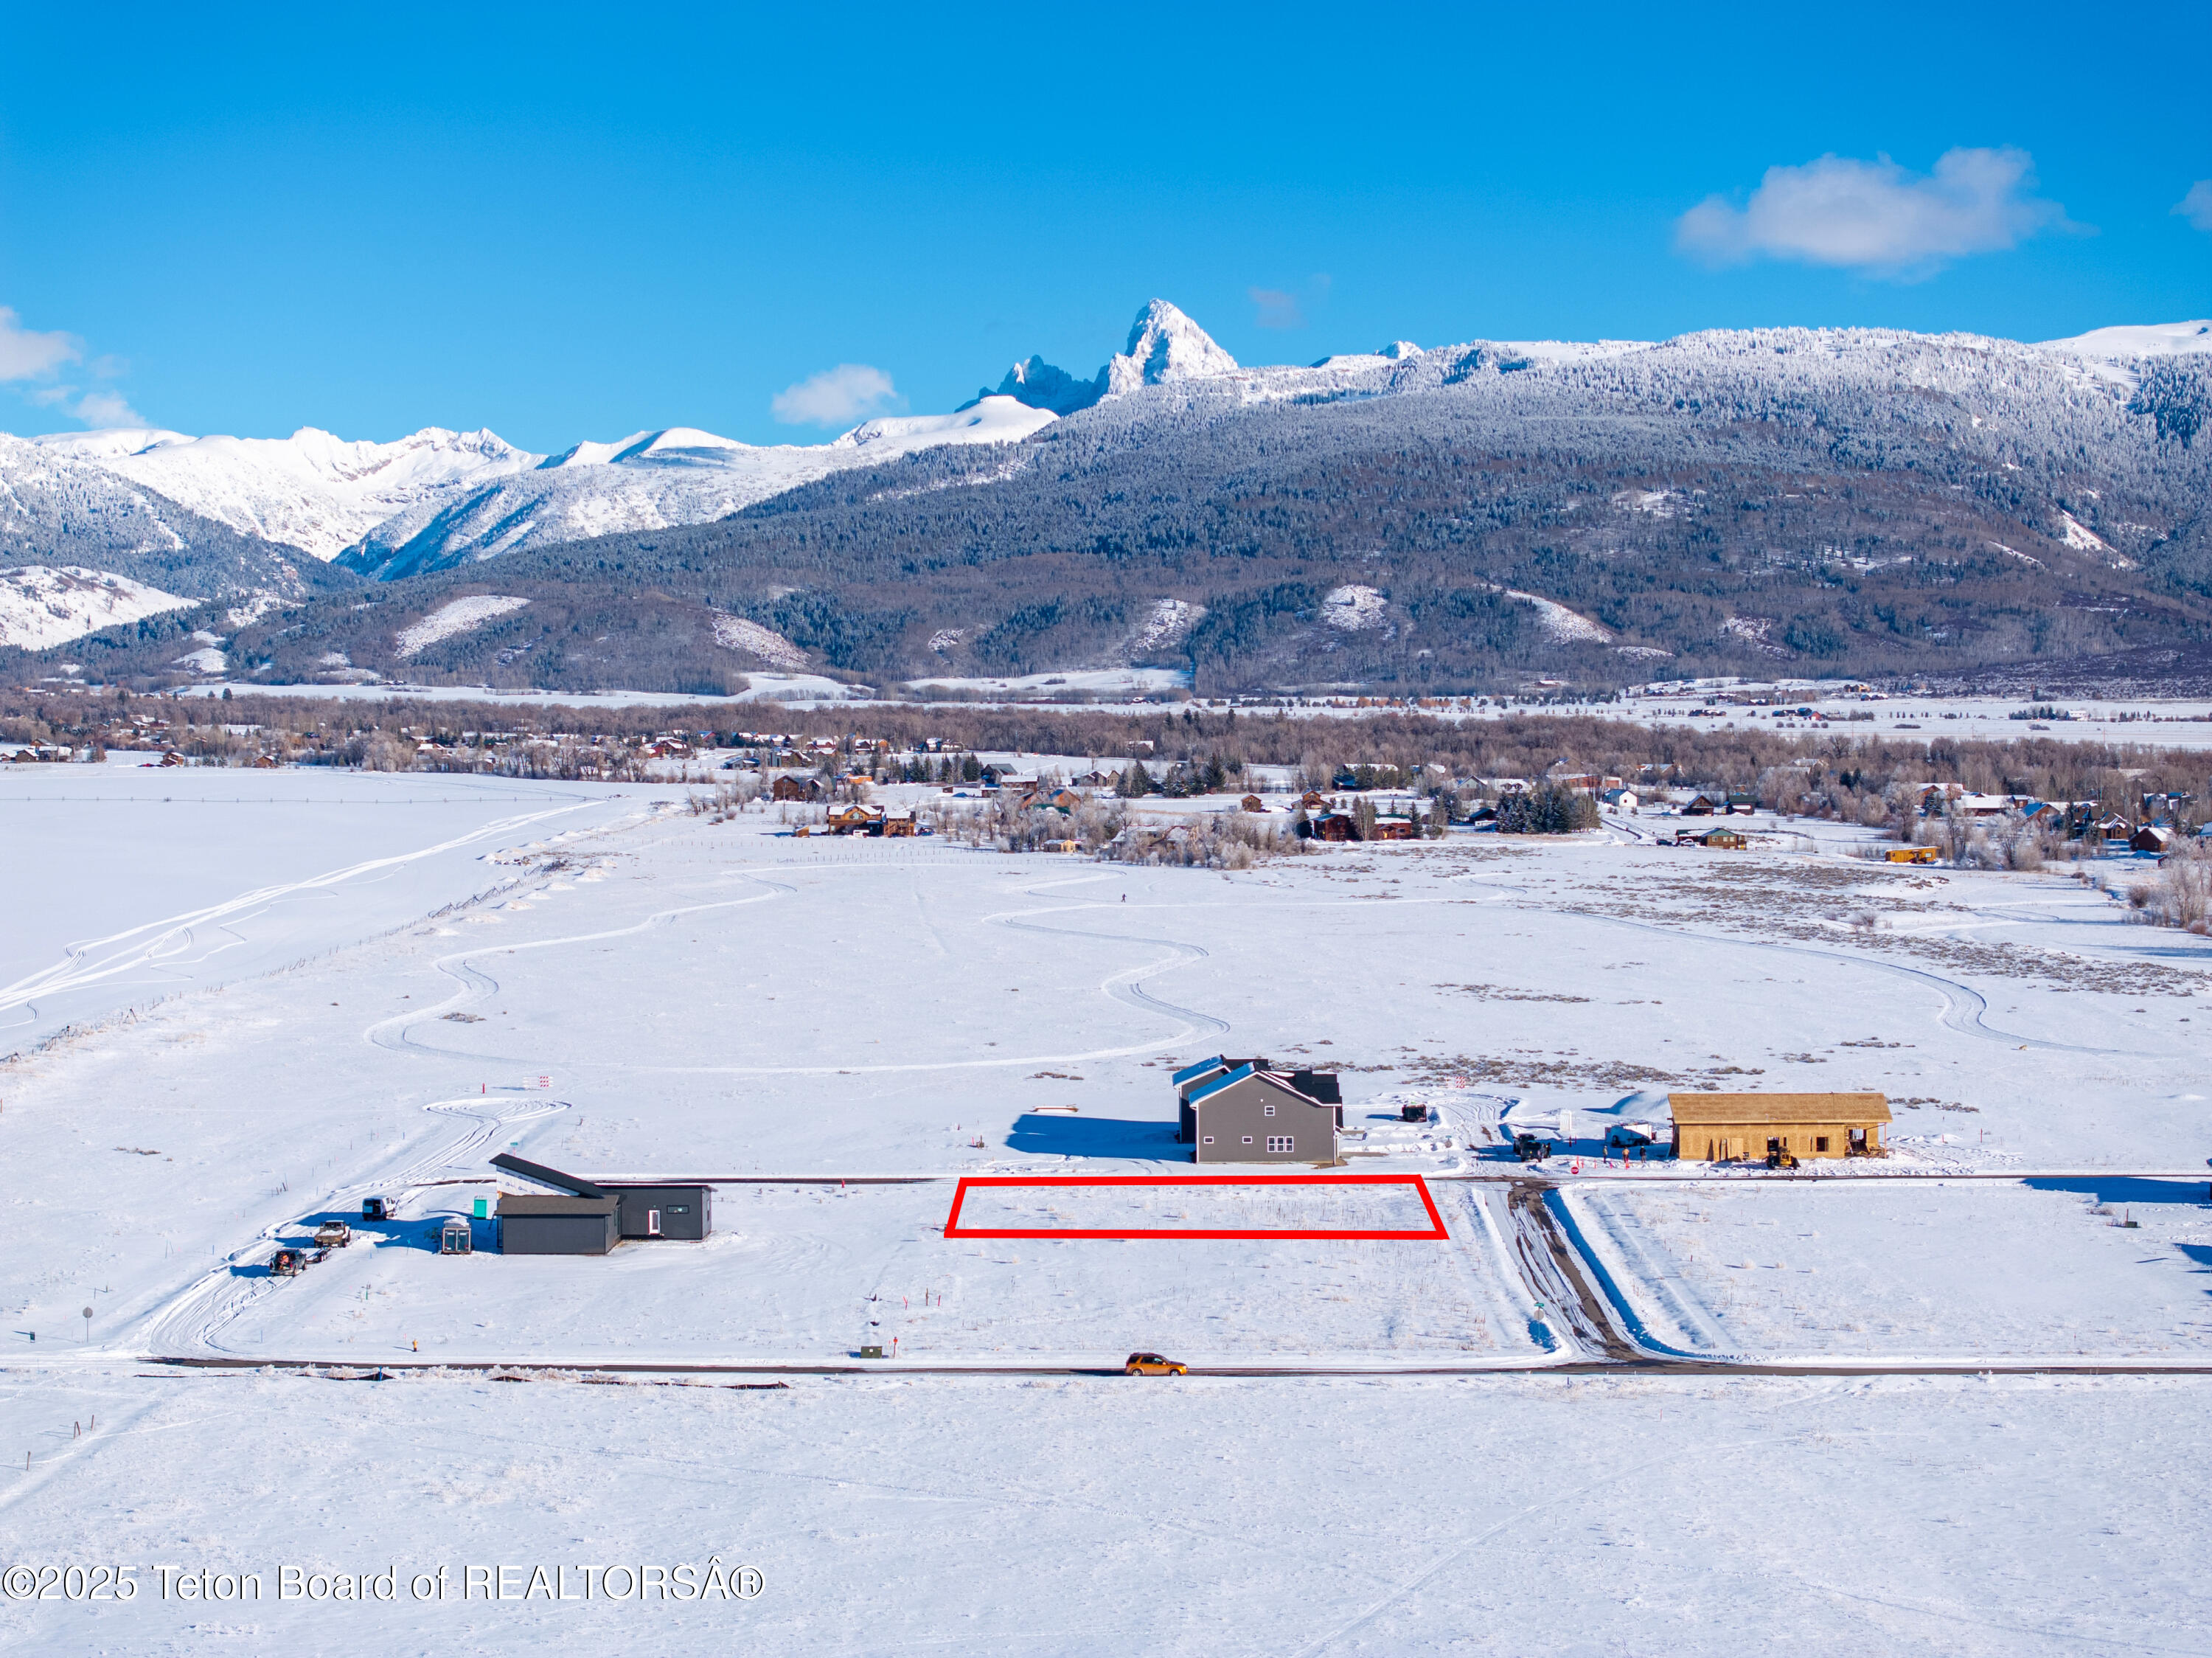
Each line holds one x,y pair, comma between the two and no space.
1723,1110
1191,1073
1245,1073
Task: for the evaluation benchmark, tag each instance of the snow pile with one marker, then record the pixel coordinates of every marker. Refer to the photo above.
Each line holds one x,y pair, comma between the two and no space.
1168,624
46,605
736,633
205,660
1352,609
1654,502
1562,626
456,616
2081,538
311,491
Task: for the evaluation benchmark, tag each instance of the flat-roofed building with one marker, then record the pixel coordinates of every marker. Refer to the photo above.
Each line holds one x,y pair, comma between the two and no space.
1720,1128
556,1225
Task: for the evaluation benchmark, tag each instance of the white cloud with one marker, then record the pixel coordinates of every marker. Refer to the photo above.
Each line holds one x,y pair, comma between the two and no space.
1277,309
25,355
1875,216
2197,205
107,409
837,397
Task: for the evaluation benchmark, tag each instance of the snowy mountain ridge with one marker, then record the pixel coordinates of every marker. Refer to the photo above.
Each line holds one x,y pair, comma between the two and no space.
2058,420
650,481
313,491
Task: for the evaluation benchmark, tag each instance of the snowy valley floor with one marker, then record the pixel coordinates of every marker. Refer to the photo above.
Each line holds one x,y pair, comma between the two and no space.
625,989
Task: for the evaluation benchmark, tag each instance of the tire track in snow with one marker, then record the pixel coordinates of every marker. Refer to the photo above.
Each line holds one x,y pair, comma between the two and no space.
1125,987
90,961
198,1314
1963,1006
393,1034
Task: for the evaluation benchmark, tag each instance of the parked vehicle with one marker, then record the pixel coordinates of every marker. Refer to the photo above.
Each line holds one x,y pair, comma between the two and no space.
1151,1364
333,1235
378,1209
1530,1149
288,1264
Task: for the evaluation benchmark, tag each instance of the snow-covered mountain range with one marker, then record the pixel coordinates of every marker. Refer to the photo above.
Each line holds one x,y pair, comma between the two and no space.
188,518
648,481
311,491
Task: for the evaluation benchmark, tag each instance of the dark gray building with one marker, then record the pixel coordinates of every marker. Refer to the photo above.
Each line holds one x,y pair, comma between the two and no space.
1253,1115
1318,1085
679,1210
556,1225
682,1212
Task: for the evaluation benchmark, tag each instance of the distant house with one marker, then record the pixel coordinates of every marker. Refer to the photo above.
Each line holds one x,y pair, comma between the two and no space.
798,789
898,822
1393,827
1313,800
1251,803
1704,806
1621,799
2150,838
1726,840
855,819
1249,1115
1333,827
1720,1128
2113,827
1056,800
1742,801
1911,855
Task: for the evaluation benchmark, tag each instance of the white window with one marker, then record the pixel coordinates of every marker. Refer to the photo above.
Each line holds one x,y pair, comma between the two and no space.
1268,1111
1282,1142
1248,1139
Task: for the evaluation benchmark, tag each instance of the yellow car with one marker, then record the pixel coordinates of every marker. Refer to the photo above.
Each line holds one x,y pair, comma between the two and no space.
1151,1364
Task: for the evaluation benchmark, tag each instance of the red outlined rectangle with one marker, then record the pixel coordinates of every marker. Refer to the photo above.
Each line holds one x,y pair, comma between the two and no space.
1435,1233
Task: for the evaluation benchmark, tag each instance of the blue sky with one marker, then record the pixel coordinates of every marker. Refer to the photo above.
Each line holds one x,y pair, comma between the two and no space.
567,224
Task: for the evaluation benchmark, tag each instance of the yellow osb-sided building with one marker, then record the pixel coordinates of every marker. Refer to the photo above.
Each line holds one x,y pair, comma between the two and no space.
1718,1128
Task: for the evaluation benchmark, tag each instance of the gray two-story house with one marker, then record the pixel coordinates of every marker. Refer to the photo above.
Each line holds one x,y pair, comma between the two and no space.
1247,1115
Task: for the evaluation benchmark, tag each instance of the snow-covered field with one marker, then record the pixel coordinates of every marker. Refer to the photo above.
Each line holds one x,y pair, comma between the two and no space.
661,995
130,882
1906,1270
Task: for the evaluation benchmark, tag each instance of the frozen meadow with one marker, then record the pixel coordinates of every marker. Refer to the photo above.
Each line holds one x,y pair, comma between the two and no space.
415,973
